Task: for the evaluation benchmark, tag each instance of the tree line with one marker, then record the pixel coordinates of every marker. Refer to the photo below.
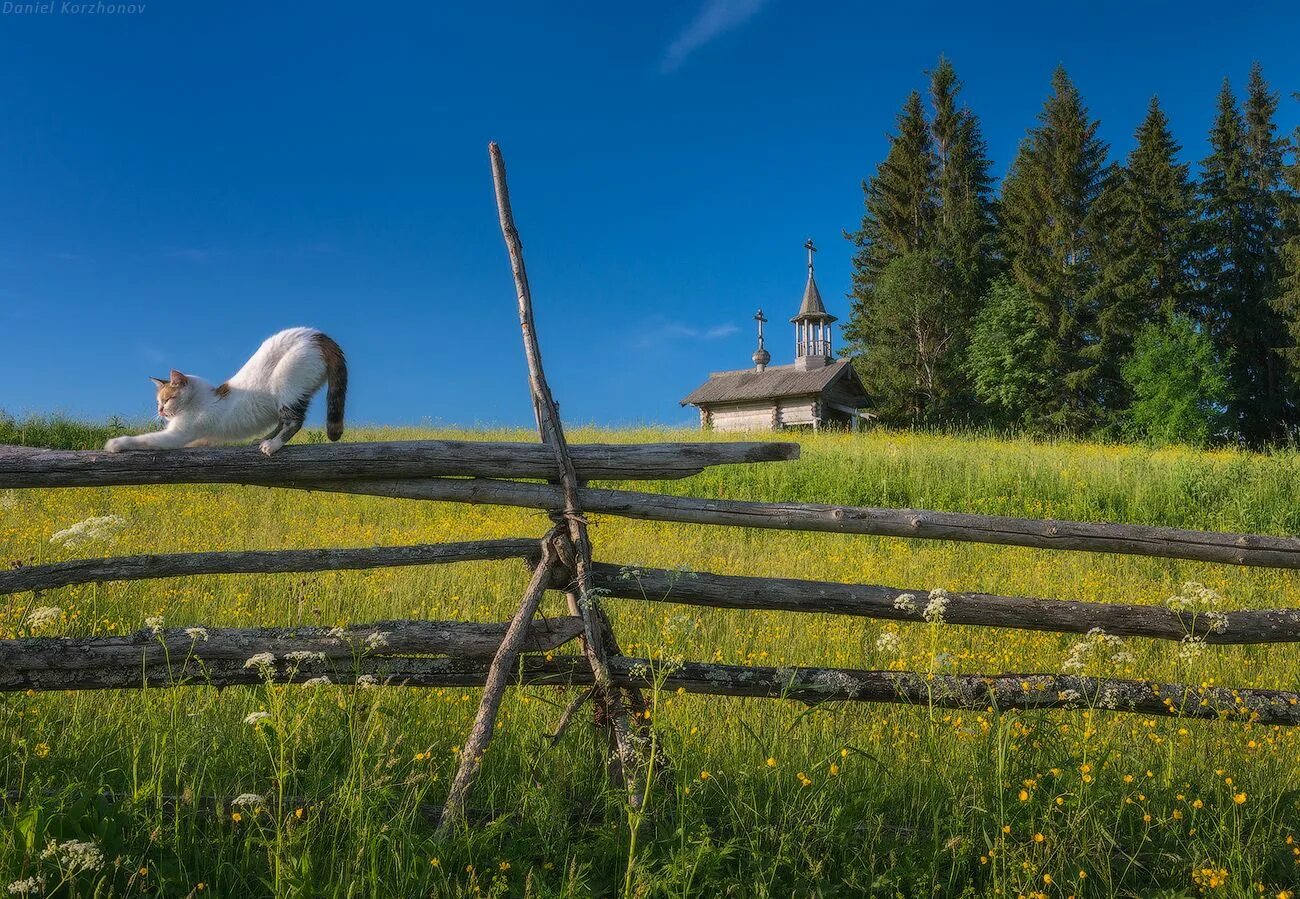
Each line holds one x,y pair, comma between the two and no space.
1127,299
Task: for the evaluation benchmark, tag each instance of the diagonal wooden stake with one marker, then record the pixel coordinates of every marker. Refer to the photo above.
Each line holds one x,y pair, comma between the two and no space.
596,628
503,663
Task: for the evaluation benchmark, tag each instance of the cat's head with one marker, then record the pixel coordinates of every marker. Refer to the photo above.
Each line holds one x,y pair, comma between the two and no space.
173,394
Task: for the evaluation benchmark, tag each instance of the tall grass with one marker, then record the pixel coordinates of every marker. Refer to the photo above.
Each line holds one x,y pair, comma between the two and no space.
761,797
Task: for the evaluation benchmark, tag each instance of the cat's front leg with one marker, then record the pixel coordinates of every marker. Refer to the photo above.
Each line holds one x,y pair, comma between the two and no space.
167,439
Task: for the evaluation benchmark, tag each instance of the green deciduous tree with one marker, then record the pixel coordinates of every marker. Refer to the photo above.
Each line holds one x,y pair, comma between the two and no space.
1005,363
1179,386
914,375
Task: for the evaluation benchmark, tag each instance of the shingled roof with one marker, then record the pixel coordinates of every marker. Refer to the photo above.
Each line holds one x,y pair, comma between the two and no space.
773,381
812,308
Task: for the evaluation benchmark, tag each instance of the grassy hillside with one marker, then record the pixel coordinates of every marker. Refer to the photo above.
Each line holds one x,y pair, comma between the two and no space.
766,798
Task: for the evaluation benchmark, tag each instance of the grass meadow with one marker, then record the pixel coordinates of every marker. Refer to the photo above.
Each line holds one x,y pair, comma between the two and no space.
765,798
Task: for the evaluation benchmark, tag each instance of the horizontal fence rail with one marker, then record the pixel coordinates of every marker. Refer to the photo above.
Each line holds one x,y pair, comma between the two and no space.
973,692
1127,539
275,561
221,656
704,589
980,609
20,467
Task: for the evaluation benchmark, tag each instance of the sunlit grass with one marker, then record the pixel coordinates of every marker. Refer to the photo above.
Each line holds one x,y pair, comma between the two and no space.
764,798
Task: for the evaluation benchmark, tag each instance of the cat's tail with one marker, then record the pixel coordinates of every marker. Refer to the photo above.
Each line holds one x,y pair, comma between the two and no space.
336,371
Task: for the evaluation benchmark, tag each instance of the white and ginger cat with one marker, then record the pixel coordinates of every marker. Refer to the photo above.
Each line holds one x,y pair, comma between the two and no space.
270,393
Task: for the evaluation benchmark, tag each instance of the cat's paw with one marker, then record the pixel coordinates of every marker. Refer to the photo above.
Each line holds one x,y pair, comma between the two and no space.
268,447
116,445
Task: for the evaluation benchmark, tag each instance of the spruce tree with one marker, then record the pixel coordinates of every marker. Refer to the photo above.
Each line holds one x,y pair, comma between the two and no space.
1286,302
1156,225
900,200
1049,242
1241,239
964,226
1143,238
929,199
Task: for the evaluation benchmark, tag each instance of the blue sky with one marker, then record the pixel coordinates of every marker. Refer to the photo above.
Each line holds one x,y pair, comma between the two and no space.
178,183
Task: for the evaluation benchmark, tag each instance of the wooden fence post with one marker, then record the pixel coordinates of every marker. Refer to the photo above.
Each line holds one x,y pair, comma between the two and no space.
597,632
471,756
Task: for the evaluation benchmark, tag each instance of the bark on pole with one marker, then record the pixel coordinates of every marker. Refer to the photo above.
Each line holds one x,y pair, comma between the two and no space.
595,624
1256,550
494,687
22,467
273,561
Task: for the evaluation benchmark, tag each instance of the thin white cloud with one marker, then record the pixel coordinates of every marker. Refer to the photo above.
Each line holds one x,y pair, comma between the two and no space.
671,331
716,17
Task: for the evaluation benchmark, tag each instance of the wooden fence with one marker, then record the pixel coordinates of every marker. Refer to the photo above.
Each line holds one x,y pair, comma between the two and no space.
445,653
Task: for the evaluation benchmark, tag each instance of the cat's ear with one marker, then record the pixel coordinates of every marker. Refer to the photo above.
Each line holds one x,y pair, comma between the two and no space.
179,379
158,382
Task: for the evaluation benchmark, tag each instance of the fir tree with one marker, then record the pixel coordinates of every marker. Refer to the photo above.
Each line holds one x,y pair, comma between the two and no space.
929,199
1286,302
1049,241
1143,235
900,201
964,232
1156,225
1241,242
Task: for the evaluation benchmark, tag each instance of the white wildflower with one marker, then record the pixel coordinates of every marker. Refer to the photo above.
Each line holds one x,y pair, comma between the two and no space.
304,656
43,615
889,642
196,633
1099,645
100,528
367,680
1069,696
155,624
1218,622
248,800
937,605
377,641
261,660
1191,649
256,718
75,855
906,602
35,884
1195,598
317,682
337,633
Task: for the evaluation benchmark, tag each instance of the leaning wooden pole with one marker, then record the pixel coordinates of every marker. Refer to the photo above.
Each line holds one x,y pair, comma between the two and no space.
498,677
596,626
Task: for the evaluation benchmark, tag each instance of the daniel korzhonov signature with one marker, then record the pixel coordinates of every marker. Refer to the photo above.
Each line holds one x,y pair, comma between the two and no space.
71,8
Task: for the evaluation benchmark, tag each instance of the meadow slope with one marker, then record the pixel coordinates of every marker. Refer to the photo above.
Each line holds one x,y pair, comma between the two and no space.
765,798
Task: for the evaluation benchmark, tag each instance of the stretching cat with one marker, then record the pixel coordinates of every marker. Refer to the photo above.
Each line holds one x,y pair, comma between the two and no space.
271,391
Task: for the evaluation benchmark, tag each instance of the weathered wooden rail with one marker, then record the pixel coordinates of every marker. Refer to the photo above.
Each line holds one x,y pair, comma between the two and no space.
494,656
396,459
1157,622
1078,536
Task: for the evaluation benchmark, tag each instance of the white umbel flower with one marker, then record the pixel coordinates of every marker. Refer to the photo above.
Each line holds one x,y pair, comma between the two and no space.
101,529
261,660
34,884
75,855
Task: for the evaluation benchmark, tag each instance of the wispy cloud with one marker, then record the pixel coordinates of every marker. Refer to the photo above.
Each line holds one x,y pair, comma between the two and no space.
191,254
662,330
716,17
